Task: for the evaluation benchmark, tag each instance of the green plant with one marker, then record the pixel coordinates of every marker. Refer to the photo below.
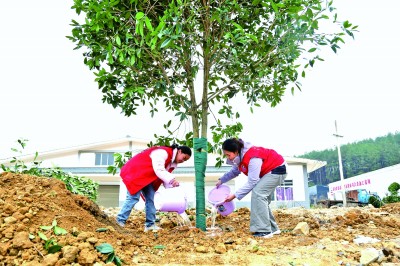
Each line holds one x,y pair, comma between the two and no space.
50,243
75,184
394,188
394,193
375,201
106,248
19,165
57,230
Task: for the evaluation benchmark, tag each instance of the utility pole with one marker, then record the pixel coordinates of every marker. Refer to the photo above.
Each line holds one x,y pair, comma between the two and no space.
340,165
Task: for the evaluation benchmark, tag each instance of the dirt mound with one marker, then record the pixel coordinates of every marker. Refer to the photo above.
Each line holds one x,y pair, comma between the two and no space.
336,236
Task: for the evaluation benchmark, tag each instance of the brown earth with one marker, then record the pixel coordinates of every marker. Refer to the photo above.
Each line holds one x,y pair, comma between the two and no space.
28,202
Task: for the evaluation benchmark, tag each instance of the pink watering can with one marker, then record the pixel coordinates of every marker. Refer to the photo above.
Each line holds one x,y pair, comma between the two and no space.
217,197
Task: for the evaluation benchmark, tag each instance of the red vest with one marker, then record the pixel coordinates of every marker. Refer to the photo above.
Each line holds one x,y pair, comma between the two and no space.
271,159
138,172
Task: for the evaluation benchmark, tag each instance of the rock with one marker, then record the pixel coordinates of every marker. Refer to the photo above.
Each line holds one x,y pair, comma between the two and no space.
369,255
50,259
70,253
10,220
364,240
87,257
21,240
201,249
301,228
3,248
220,248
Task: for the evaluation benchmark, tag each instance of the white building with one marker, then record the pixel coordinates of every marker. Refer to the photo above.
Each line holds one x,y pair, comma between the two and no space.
91,161
376,181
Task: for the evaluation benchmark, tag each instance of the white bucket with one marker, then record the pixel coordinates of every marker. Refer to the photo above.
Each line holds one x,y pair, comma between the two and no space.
171,200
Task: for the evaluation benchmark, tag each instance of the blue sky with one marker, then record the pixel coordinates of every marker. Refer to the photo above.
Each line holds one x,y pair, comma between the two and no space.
49,97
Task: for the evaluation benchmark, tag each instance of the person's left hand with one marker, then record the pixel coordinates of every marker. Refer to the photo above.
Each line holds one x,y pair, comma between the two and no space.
230,197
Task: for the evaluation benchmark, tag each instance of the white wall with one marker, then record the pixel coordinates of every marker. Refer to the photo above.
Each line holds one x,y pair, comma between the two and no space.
296,173
375,181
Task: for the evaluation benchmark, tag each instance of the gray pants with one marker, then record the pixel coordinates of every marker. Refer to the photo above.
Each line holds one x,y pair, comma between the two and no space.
261,217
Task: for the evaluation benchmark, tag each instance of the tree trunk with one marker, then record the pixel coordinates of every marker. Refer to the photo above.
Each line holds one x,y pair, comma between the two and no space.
200,163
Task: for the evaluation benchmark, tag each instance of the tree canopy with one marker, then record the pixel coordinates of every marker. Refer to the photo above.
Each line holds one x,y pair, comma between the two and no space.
147,52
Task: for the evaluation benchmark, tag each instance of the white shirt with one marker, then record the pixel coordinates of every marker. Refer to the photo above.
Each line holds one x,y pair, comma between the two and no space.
158,158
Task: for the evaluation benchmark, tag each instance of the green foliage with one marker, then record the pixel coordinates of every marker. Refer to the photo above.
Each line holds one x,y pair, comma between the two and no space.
106,248
394,193
50,243
391,199
119,161
144,53
75,184
375,201
394,188
102,229
57,230
357,158
149,54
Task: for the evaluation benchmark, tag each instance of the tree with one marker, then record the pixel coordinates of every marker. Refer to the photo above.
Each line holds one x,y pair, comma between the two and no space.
148,51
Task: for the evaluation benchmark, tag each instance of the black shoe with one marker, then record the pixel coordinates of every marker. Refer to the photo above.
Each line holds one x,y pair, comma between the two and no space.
263,234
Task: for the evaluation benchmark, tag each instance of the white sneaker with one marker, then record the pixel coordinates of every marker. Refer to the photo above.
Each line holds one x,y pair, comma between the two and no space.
263,234
152,228
277,232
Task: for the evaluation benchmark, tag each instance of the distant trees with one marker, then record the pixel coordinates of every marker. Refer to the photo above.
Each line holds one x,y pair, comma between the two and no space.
357,158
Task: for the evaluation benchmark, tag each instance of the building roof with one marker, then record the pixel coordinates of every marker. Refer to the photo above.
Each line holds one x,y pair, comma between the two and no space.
89,146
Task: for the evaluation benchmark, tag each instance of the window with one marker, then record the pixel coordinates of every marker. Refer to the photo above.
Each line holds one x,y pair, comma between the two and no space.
104,158
284,192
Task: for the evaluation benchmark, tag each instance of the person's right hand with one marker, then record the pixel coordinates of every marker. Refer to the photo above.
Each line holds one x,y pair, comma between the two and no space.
174,183
218,183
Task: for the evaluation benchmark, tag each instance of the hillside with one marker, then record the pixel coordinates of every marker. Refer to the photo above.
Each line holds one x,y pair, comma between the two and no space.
357,158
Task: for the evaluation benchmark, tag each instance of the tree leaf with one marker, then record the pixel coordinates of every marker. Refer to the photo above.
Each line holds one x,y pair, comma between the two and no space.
165,42
60,231
42,236
139,15
46,227
54,249
105,248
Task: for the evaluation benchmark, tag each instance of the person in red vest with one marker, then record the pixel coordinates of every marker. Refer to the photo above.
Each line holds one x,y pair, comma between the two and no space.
265,170
144,173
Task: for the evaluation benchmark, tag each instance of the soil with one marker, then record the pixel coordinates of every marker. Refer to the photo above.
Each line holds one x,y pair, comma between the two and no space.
335,236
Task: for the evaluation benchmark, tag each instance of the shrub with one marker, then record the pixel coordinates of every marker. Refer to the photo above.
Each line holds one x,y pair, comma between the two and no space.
394,188
394,193
375,201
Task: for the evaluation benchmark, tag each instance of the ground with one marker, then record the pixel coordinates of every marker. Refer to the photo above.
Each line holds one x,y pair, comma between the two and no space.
336,236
